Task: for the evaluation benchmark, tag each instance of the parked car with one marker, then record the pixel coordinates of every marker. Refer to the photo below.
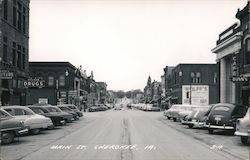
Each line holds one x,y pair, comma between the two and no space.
173,112
197,118
151,107
57,119
189,109
67,117
34,121
224,116
109,106
243,128
70,111
10,127
93,108
74,108
118,107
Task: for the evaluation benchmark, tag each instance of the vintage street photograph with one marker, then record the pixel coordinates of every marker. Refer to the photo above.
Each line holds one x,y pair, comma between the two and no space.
124,79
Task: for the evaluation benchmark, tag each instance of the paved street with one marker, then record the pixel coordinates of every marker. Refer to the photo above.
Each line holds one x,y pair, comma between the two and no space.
125,135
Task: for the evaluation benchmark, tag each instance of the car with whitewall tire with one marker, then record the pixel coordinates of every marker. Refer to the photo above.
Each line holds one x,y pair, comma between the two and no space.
35,122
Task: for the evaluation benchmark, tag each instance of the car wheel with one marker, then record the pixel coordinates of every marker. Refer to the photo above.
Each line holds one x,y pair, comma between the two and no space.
35,131
210,131
51,127
174,119
7,137
244,139
168,117
190,126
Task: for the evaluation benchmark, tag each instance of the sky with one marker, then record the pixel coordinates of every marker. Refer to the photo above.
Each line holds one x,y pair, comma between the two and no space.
125,41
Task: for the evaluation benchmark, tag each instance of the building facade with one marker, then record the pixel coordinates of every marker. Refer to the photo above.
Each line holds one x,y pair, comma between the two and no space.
101,92
233,55
56,83
194,84
152,91
14,51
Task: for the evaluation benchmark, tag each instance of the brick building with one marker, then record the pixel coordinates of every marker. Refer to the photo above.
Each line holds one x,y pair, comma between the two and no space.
193,84
14,51
63,83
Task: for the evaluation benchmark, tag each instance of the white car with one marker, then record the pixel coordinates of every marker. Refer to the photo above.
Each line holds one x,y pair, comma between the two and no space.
35,122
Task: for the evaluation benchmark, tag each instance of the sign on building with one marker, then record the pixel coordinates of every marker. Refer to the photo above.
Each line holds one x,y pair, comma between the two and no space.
34,83
6,74
195,94
42,100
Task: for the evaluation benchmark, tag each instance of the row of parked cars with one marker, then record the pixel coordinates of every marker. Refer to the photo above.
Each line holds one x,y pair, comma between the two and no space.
145,107
221,116
100,107
18,120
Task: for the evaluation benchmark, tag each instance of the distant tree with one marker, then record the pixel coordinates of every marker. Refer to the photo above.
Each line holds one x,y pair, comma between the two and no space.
120,94
128,94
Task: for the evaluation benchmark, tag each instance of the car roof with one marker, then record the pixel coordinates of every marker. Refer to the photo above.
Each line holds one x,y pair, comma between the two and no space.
20,107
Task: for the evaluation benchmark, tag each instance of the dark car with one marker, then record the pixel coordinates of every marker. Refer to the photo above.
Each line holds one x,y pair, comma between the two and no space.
10,127
93,109
74,108
98,107
224,116
70,111
56,118
67,117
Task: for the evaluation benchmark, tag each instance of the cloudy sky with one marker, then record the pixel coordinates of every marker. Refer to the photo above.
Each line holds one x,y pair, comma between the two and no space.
125,41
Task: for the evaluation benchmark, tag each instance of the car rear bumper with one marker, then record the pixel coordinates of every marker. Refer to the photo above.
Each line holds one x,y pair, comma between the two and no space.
219,127
238,133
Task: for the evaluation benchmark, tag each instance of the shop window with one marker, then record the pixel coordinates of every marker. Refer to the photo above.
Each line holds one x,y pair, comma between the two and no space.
5,9
50,81
14,83
247,54
14,16
215,78
61,80
19,84
14,54
5,48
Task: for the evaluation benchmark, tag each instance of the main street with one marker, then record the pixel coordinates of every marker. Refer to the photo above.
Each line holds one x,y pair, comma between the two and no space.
125,135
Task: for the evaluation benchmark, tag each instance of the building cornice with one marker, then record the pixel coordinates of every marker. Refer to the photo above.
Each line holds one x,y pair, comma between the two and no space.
234,39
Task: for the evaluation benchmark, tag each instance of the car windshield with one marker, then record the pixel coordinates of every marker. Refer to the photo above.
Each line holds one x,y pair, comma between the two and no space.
21,111
65,109
221,108
4,114
53,109
37,110
72,107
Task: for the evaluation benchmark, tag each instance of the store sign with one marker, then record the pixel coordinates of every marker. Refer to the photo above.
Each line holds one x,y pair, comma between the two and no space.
42,100
239,79
72,93
5,74
196,94
234,66
34,83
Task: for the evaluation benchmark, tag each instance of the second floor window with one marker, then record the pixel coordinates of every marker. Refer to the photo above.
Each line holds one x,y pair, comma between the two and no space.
195,77
61,80
50,81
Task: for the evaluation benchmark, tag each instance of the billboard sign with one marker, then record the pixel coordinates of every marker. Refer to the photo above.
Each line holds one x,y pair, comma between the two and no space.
195,94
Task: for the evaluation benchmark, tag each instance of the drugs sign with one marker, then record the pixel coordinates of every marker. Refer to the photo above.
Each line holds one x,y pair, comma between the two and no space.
34,83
